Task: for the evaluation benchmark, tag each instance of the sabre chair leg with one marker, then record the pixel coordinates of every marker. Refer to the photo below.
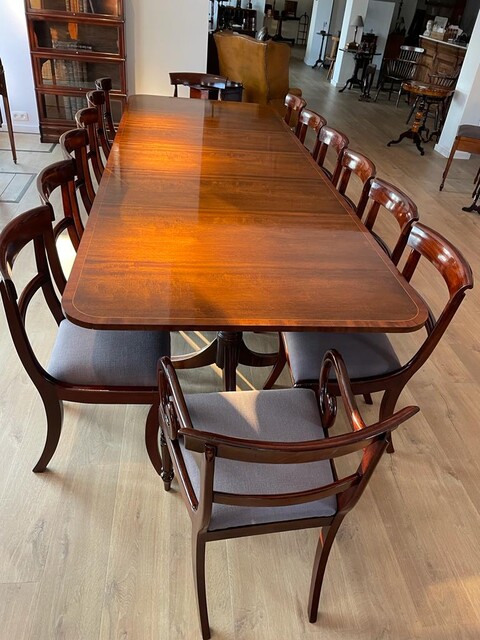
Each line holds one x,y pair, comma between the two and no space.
54,412
387,407
198,560
449,162
324,546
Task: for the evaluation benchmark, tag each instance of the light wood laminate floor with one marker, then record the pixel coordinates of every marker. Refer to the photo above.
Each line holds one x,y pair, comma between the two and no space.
94,548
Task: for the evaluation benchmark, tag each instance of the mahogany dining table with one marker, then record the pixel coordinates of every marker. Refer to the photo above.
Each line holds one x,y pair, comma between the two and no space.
212,215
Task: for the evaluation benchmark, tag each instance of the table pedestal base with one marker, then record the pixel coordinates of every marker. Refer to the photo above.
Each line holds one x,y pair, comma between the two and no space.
227,351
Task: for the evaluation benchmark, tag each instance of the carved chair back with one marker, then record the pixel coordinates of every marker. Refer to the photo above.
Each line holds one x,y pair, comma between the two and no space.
330,138
74,144
354,163
105,85
381,195
87,118
308,119
293,106
96,99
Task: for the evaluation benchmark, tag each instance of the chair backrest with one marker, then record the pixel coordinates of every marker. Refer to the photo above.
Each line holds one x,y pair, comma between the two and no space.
189,78
329,138
97,99
443,80
62,175
308,119
372,440
425,243
408,52
74,144
293,107
105,85
88,119
393,201
353,162
261,66
32,228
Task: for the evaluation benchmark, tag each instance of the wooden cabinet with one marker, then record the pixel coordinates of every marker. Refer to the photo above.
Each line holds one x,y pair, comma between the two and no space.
439,57
72,43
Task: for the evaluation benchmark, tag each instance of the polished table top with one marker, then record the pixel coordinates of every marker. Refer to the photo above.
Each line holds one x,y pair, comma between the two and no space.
211,215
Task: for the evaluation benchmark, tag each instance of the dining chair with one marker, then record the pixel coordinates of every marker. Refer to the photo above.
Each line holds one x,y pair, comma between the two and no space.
356,164
212,83
371,360
105,85
96,99
62,175
308,120
330,138
398,70
85,366
257,462
467,139
293,106
87,118
74,144
385,198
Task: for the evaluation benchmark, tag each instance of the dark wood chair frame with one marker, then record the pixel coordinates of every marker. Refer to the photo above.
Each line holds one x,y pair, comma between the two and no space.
63,175
34,227
176,423
75,145
293,106
423,242
308,119
96,99
398,70
353,162
87,118
380,195
105,85
195,79
330,138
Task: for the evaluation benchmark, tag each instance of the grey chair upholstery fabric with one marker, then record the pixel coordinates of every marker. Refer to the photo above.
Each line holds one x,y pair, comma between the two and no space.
286,415
365,354
469,131
112,358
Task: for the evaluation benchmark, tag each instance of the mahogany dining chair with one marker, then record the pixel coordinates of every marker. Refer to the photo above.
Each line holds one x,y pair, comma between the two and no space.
371,360
353,163
85,366
258,462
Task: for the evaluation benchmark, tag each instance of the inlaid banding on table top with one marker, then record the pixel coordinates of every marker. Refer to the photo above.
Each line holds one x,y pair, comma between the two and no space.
226,244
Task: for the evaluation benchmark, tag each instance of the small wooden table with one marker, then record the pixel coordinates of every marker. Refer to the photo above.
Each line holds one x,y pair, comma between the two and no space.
211,215
428,94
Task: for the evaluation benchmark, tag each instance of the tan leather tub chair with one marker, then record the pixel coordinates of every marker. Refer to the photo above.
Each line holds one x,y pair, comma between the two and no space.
262,67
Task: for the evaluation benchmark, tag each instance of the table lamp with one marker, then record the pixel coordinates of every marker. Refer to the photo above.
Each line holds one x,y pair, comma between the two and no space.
357,22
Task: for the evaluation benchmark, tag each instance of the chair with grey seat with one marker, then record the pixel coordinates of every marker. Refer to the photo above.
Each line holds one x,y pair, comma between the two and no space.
85,366
257,462
371,360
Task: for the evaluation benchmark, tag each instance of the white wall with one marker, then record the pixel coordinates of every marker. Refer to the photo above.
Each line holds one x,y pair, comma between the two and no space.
170,35
465,106
320,20
15,55
377,20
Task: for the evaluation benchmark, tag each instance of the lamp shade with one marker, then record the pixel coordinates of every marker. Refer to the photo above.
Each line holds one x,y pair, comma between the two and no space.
357,22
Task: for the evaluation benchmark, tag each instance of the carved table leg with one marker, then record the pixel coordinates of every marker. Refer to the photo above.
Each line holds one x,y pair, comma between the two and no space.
415,132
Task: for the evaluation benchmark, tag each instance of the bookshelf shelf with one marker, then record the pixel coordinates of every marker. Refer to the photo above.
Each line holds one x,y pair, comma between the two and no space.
72,43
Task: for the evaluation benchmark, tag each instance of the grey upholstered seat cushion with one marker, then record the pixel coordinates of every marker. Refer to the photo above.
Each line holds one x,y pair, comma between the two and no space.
111,358
287,415
469,131
365,354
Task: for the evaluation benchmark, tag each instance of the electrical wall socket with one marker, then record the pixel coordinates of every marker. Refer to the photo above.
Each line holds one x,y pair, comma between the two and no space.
19,115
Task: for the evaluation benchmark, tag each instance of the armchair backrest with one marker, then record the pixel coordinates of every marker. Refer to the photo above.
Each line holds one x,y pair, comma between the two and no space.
262,67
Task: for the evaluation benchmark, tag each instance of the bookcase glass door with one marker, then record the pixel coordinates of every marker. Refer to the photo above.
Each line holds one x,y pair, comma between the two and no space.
101,7
76,73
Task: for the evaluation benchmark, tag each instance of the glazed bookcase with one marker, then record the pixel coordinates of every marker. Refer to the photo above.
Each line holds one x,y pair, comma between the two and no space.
72,43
